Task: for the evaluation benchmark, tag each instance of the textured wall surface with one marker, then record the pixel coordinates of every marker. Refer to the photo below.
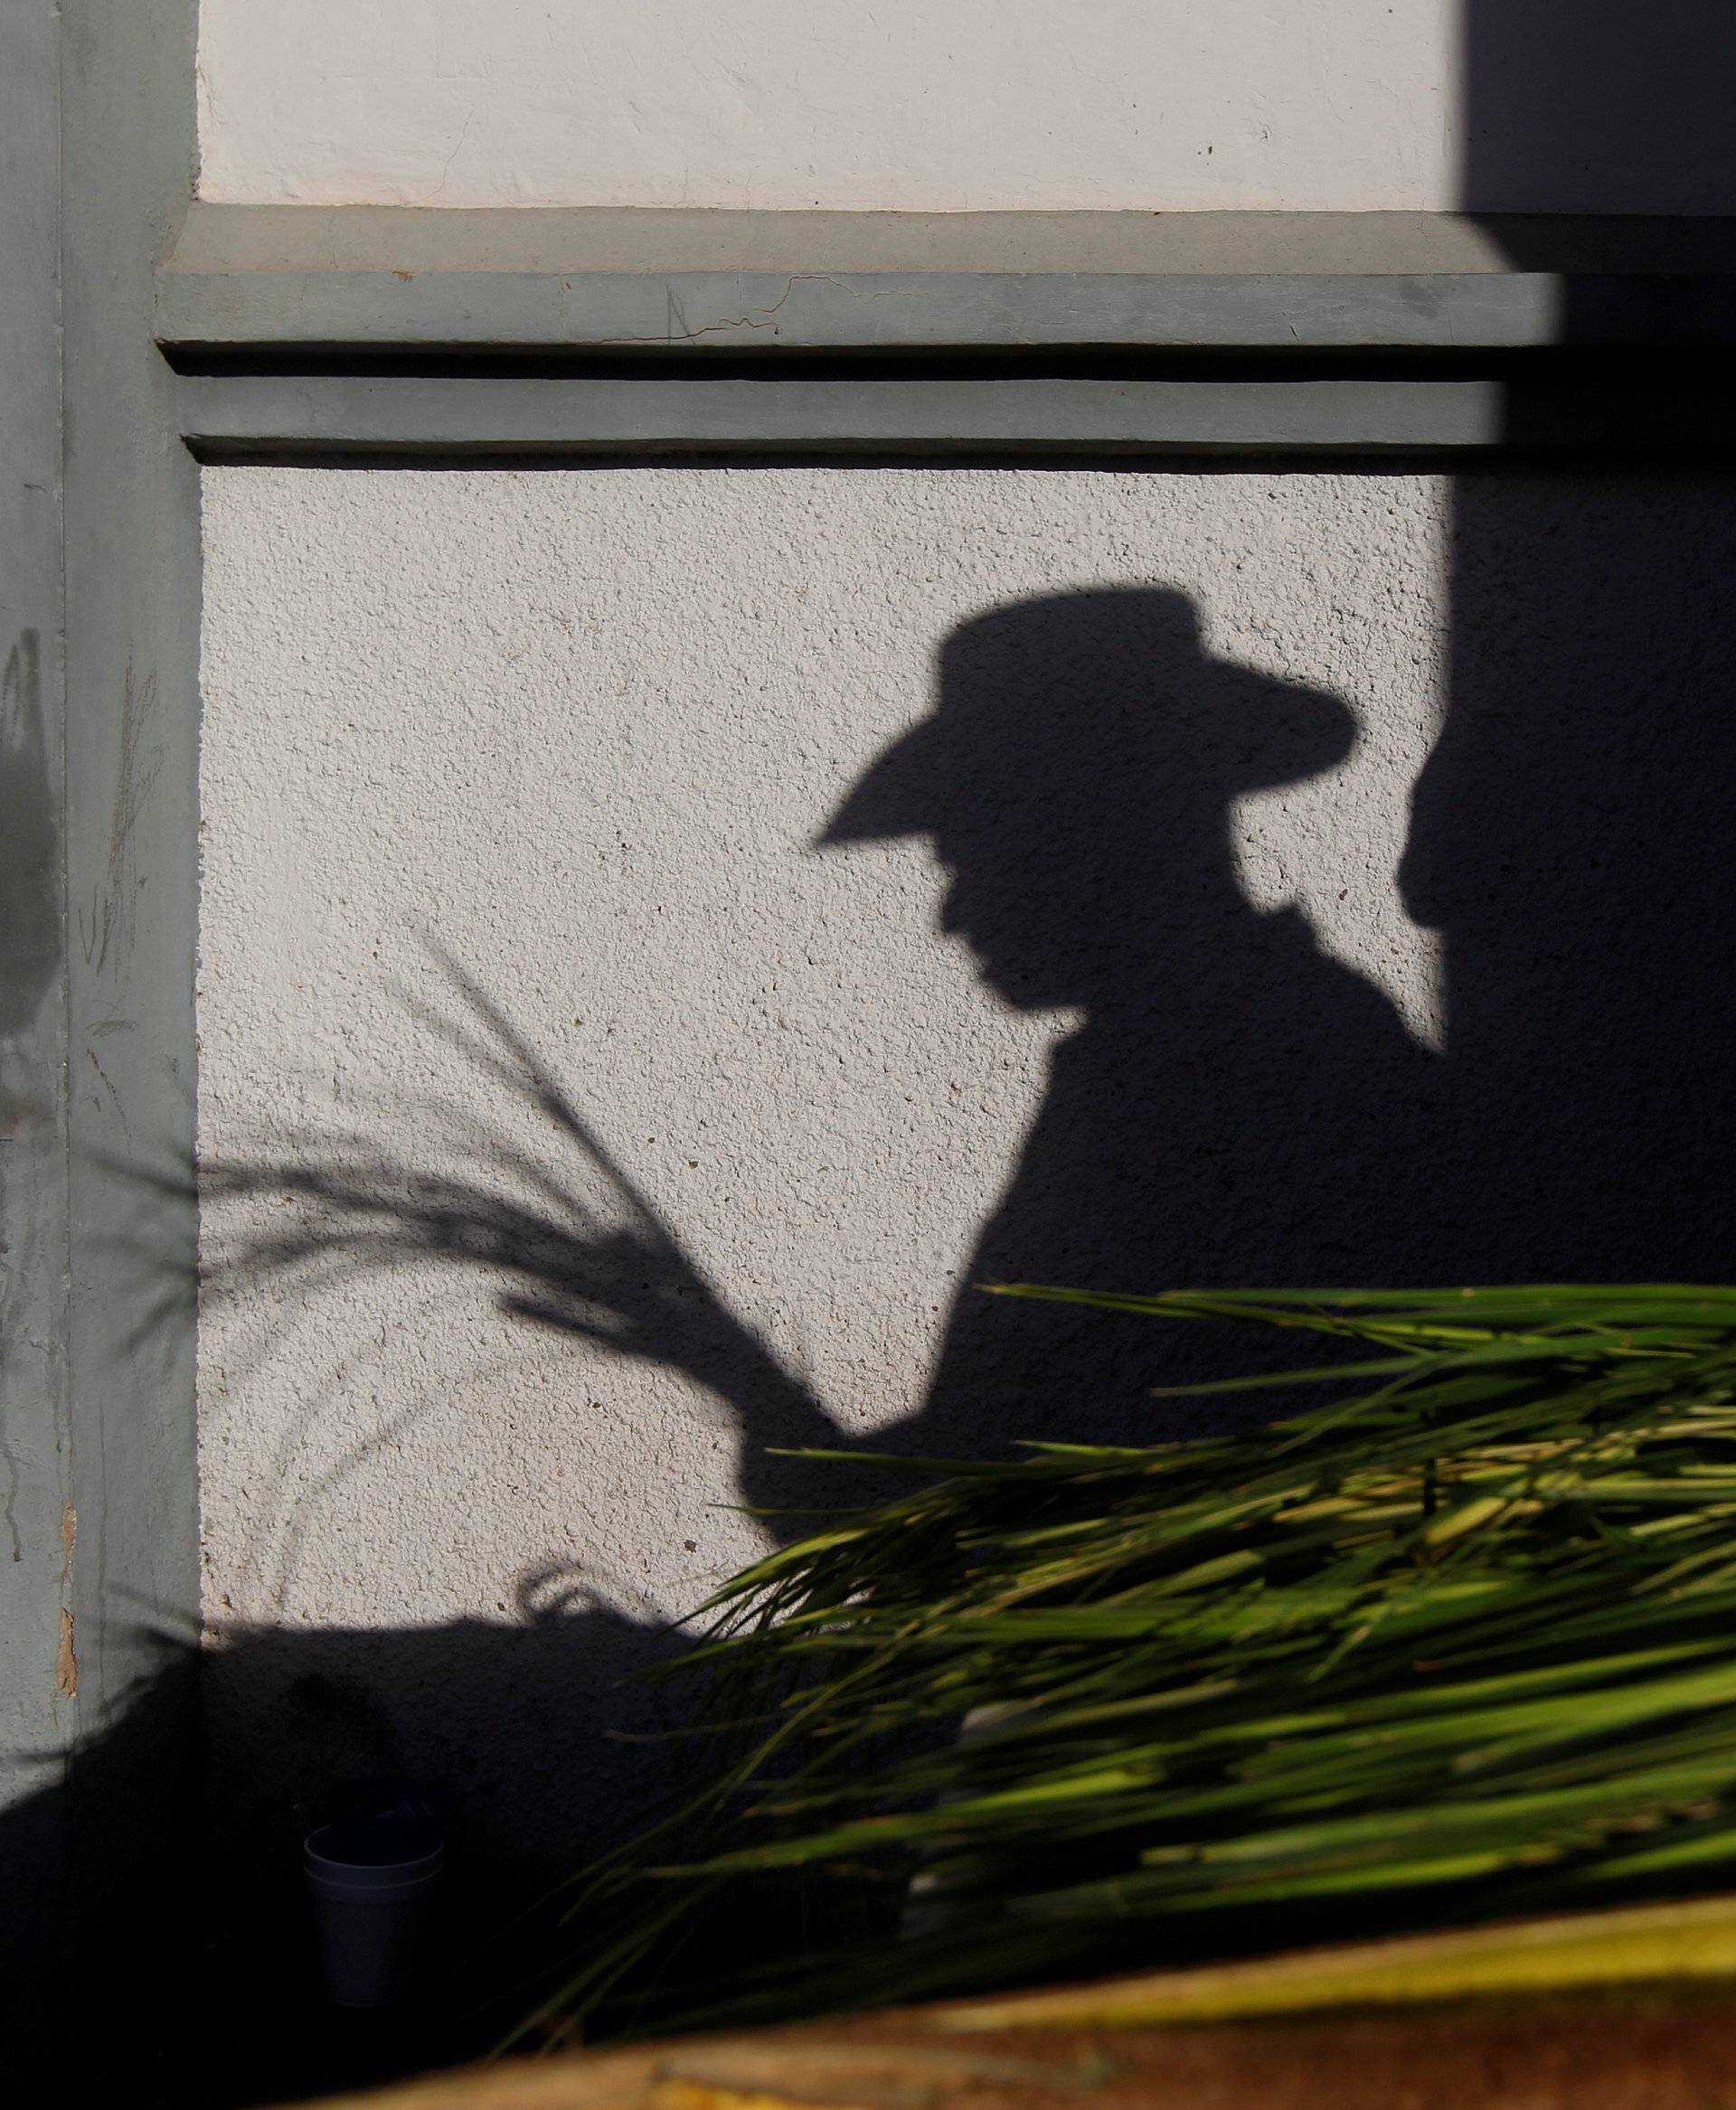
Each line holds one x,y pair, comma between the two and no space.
913,106
1097,752
972,105
667,932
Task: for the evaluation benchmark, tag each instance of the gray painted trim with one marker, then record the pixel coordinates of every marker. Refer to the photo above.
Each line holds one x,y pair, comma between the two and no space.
244,414
226,416
132,598
221,240
878,311
131,574
37,1720
99,604
256,276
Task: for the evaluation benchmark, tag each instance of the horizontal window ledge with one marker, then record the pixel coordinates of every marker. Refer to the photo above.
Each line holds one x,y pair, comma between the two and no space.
259,276
245,416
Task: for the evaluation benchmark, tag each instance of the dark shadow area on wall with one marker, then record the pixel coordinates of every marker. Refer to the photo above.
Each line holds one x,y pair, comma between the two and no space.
1571,834
1571,841
1597,107
1598,149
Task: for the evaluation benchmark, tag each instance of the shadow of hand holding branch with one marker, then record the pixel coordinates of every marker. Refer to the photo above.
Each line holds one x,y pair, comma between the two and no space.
589,1256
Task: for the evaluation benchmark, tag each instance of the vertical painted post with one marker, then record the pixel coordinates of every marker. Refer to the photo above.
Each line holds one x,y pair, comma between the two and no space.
37,1711
98,743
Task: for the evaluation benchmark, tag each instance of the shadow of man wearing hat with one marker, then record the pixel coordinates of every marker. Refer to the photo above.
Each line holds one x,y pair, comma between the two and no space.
1236,1107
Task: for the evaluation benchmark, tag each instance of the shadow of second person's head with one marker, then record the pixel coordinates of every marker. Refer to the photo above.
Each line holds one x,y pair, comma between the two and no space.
1074,778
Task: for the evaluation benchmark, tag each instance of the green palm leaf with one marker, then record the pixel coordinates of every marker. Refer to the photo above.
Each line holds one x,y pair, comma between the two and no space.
1459,1643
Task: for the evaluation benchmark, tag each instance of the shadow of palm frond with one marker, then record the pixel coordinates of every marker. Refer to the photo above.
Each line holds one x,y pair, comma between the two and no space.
567,1237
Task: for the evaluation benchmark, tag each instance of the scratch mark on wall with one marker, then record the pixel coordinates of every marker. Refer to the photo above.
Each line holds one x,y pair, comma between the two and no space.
107,934
10,1507
30,949
678,330
109,1082
66,1657
446,168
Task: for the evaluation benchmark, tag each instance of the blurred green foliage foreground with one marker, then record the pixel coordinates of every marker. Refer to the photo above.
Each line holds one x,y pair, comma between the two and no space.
1458,1644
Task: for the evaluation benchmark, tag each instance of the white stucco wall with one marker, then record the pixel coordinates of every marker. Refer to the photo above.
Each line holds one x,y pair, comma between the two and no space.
582,729
911,106
1513,106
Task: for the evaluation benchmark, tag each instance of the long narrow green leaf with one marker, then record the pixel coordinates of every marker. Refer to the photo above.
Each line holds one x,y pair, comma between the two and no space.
1461,1639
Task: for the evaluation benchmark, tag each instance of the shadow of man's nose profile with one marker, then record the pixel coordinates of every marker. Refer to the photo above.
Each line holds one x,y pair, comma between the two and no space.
1236,1107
